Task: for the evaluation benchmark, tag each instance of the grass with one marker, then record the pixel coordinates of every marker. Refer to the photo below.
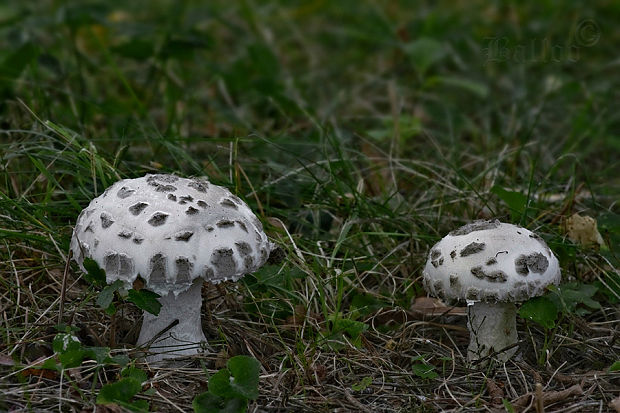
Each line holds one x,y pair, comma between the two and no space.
361,133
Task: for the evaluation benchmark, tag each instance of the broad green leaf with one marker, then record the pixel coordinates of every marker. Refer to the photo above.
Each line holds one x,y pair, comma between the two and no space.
145,300
219,384
353,329
423,370
94,273
136,405
365,304
107,294
363,384
99,354
207,402
541,310
121,391
49,364
134,373
120,359
64,342
71,358
245,371
102,356
210,403
111,310
615,366
575,298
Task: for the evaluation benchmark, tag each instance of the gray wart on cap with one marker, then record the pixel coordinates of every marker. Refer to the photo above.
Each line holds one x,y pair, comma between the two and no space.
491,265
172,232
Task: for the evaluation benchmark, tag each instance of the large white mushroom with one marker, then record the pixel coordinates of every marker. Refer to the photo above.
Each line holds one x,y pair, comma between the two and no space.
491,266
174,233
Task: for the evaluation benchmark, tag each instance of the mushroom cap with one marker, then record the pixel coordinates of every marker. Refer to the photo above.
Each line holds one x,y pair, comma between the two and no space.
169,230
490,261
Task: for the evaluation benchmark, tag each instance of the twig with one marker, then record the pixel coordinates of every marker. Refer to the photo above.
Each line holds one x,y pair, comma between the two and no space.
540,408
63,288
161,333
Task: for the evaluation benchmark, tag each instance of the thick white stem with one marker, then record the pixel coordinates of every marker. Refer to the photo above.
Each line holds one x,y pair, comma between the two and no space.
492,327
185,337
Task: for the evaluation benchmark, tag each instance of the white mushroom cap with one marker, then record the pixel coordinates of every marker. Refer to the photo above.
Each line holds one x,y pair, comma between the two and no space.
170,231
490,261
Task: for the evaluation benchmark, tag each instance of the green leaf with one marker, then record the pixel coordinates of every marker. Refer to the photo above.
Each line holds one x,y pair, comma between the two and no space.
72,358
121,391
207,402
353,329
64,342
104,300
423,52
423,370
541,310
365,304
245,376
94,273
49,364
516,201
111,310
615,366
145,300
136,405
575,298
239,380
363,384
210,403
508,406
134,373
219,384
120,359
99,354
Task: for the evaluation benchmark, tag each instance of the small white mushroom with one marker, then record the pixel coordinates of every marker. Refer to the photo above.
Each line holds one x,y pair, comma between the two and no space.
174,233
491,266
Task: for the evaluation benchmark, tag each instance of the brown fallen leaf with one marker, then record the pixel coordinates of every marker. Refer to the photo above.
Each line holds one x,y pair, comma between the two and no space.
6,360
583,230
495,392
430,306
615,404
548,397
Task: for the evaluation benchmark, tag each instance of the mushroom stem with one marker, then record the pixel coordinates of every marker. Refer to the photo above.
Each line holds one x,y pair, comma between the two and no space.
183,338
492,327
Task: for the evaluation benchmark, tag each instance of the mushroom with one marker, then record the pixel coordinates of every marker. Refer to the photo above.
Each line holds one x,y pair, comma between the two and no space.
490,265
174,233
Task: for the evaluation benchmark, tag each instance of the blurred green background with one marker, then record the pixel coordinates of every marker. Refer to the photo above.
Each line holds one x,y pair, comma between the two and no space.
380,110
